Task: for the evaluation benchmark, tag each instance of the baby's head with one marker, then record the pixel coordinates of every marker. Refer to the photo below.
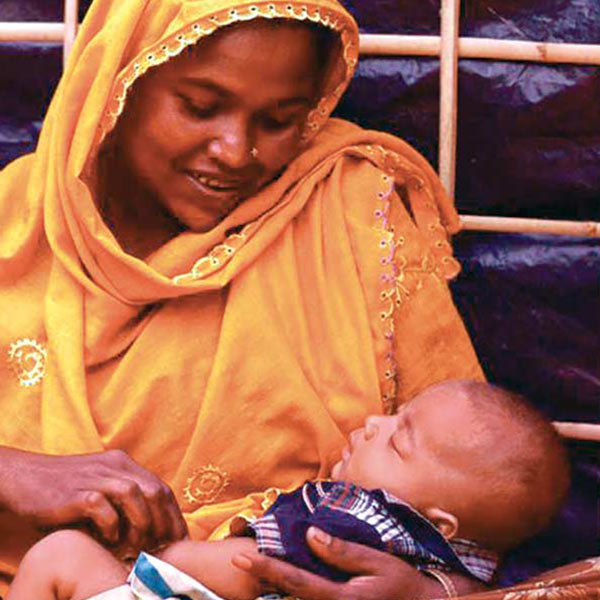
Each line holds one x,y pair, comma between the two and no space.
478,461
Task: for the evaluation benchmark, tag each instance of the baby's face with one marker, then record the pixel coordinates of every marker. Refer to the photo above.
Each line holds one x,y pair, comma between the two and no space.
416,455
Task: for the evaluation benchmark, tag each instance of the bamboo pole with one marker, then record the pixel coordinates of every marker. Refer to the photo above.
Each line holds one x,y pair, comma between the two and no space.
32,32
395,44
578,431
524,225
385,44
450,17
430,45
71,20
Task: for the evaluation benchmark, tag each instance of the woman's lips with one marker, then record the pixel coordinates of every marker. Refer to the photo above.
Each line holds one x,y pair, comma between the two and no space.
216,186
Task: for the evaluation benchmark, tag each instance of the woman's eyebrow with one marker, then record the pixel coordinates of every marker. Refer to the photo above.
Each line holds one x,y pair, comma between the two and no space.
210,85
302,100
206,84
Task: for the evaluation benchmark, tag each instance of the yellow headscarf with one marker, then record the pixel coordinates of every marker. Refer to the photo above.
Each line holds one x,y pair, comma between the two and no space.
227,364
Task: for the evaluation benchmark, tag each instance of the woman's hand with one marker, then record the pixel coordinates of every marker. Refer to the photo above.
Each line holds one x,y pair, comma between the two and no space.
125,504
378,575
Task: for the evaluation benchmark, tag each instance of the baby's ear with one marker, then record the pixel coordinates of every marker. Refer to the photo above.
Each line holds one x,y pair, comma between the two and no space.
446,522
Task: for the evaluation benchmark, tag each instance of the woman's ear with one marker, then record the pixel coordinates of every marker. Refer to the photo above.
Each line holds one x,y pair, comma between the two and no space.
446,522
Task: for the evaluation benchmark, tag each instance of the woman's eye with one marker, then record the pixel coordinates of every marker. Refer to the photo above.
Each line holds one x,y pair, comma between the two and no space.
276,124
199,110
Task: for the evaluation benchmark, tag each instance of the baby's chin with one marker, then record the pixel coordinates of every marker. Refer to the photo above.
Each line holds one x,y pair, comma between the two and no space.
337,471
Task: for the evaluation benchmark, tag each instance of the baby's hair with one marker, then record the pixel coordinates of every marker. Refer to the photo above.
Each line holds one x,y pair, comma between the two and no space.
520,458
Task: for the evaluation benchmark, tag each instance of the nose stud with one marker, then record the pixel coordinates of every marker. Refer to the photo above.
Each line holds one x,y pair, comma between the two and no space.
254,152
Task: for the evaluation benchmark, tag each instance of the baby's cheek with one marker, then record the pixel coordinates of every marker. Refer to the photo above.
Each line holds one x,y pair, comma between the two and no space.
336,470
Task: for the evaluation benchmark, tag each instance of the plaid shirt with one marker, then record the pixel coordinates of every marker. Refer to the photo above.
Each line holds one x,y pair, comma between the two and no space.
374,518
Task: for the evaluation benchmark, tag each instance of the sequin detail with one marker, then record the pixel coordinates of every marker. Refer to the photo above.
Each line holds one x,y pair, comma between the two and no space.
27,359
399,279
386,260
205,485
189,35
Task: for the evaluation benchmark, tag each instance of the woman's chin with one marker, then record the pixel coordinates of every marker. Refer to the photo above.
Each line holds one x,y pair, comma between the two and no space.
198,221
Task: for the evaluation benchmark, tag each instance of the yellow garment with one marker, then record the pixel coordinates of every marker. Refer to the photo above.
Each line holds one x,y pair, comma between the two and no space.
226,364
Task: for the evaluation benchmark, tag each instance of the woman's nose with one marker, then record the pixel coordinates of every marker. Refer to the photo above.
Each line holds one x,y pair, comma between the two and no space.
232,147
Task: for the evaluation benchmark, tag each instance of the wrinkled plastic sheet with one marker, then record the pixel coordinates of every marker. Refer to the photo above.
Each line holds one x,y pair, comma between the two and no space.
528,145
531,306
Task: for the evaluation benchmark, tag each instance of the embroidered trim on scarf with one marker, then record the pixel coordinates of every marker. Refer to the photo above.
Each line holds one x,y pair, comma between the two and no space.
387,249
27,358
439,263
191,34
218,256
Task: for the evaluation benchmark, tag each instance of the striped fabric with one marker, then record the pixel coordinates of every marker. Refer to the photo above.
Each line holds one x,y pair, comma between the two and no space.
375,518
154,579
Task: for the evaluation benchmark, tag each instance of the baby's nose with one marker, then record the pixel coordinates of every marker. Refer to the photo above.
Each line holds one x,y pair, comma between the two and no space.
371,427
355,435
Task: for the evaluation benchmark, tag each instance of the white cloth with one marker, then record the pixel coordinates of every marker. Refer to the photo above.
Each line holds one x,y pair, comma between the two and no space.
154,579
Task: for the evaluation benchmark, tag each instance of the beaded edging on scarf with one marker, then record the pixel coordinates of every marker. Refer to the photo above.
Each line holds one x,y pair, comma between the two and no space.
191,34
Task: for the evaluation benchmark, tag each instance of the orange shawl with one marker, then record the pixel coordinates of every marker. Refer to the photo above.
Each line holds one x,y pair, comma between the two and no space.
225,364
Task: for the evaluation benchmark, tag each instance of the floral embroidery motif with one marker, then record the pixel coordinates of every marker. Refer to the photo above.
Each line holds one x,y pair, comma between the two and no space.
27,358
205,485
189,35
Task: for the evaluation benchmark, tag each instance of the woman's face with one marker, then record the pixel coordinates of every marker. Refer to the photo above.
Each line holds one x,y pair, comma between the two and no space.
214,125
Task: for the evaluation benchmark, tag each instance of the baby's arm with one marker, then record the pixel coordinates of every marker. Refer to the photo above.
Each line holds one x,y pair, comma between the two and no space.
210,563
66,565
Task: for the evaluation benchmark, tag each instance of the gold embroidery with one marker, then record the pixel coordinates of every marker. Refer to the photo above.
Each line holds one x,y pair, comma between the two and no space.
27,358
270,496
205,485
566,592
218,256
399,278
388,278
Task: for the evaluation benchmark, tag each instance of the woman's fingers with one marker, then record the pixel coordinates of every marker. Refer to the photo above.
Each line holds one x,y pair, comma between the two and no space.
127,504
280,576
135,514
168,523
131,504
98,509
351,557
177,526
376,575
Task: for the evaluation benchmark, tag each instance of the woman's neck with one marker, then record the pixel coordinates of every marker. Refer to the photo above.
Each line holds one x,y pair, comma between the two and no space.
139,223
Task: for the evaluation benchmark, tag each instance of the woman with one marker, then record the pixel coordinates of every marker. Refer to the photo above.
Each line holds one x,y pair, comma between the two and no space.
209,282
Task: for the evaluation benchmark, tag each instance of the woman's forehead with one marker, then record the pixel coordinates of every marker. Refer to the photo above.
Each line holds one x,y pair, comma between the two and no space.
259,43
282,58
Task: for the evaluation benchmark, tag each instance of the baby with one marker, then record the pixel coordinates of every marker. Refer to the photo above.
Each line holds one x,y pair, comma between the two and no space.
464,472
